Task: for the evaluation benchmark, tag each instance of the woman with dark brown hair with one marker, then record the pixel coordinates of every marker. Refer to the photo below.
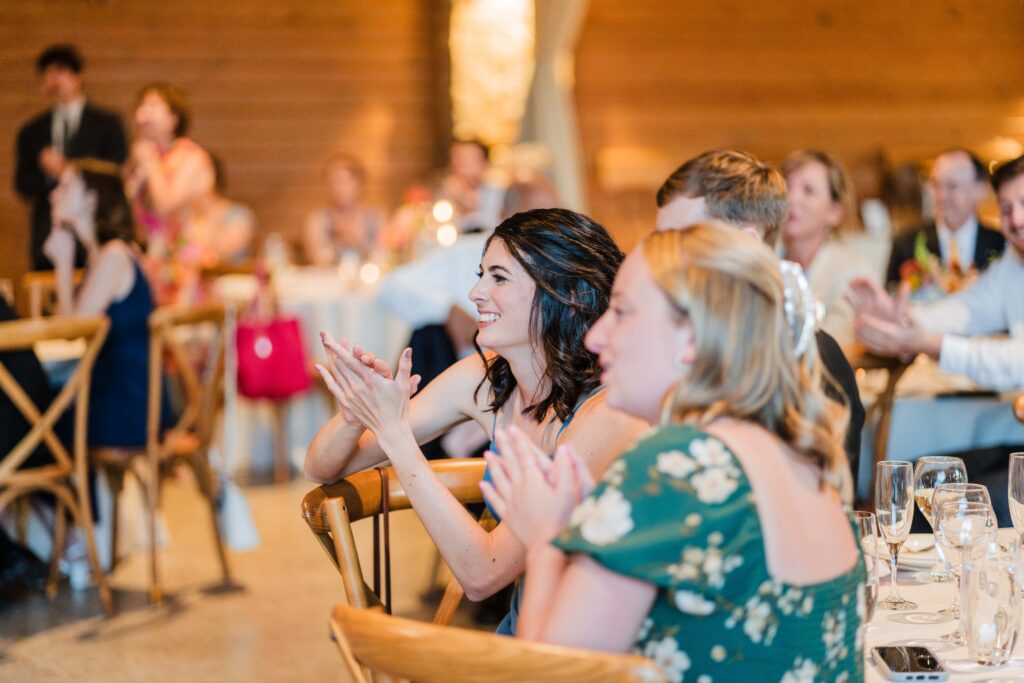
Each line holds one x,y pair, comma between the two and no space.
89,205
545,277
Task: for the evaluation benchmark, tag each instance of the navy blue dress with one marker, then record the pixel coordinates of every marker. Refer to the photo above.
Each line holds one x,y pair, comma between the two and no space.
119,393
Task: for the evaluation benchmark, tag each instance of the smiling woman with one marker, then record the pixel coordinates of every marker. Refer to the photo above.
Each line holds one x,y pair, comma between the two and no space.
545,277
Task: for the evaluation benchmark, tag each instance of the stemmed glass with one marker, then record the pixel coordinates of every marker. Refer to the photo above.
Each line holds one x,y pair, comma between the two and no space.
964,493
929,472
1015,492
963,528
894,507
867,537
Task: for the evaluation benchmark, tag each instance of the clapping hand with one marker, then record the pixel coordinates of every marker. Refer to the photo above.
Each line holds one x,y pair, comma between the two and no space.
869,299
364,386
534,496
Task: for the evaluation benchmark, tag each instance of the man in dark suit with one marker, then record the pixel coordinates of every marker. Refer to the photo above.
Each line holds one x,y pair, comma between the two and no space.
73,129
738,189
959,182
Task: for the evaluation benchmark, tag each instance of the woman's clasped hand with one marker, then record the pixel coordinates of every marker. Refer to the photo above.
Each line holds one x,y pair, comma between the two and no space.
533,494
364,386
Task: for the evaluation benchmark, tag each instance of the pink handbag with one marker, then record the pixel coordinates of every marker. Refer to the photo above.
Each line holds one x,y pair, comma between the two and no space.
271,358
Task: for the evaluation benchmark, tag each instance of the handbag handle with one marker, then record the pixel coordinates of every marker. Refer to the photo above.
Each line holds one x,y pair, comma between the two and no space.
385,500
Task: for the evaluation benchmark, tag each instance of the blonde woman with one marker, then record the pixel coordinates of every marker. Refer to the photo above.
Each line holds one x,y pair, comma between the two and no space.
718,544
820,210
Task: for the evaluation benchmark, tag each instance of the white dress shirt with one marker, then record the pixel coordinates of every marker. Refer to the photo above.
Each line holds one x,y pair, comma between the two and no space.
966,238
422,292
72,115
993,304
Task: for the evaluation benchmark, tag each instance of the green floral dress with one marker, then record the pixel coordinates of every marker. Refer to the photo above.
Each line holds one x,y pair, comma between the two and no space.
677,511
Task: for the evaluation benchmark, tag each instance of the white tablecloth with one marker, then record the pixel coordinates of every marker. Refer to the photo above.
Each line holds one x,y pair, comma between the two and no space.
903,628
321,301
936,413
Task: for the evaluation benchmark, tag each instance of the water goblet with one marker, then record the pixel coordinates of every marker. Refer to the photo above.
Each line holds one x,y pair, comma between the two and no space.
991,619
894,506
956,492
1015,492
964,527
929,472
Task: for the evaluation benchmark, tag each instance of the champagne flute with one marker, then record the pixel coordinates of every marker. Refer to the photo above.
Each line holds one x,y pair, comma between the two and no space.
1015,492
963,528
867,537
929,472
894,507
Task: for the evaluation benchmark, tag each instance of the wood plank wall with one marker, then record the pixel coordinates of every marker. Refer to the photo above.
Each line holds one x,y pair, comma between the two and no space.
274,88
660,80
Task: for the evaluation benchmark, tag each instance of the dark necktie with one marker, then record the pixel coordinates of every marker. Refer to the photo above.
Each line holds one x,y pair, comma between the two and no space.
66,138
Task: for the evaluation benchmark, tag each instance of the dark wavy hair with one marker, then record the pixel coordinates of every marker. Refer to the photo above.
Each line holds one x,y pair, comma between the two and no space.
113,219
573,261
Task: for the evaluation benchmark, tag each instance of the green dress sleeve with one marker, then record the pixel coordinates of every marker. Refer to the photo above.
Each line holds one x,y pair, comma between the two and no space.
675,511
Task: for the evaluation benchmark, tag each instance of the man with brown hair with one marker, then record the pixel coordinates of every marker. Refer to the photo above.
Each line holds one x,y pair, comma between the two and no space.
734,187
739,189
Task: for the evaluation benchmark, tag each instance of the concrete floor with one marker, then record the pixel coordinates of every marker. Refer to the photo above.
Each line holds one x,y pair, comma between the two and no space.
272,626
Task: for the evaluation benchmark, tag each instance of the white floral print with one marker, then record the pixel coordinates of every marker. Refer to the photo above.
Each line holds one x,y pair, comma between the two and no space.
710,453
705,565
714,485
665,653
675,464
605,519
614,474
689,602
833,635
803,671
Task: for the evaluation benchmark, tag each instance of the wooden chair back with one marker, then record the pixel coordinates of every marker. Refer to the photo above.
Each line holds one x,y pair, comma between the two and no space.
17,481
331,509
19,335
41,287
880,412
190,342
396,649
193,340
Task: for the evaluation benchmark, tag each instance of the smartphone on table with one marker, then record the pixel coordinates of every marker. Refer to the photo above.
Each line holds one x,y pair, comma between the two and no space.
908,663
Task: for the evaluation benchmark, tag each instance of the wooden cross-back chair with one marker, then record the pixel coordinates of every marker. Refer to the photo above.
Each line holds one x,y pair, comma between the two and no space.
376,647
67,478
41,287
331,509
189,341
881,410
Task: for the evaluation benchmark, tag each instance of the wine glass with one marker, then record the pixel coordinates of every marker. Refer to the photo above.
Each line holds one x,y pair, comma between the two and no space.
929,472
963,528
867,537
894,507
1015,492
965,493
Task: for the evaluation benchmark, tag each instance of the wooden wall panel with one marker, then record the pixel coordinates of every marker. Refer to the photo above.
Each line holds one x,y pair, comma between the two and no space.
662,79
274,89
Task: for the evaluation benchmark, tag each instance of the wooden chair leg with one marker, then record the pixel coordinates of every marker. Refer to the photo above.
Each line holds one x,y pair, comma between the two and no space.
59,535
152,500
282,468
82,512
206,478
115,479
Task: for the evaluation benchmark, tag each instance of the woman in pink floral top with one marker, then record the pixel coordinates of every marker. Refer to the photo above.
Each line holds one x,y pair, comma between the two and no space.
166,175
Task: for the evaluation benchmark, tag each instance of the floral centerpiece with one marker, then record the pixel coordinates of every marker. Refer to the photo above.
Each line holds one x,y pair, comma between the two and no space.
926,276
